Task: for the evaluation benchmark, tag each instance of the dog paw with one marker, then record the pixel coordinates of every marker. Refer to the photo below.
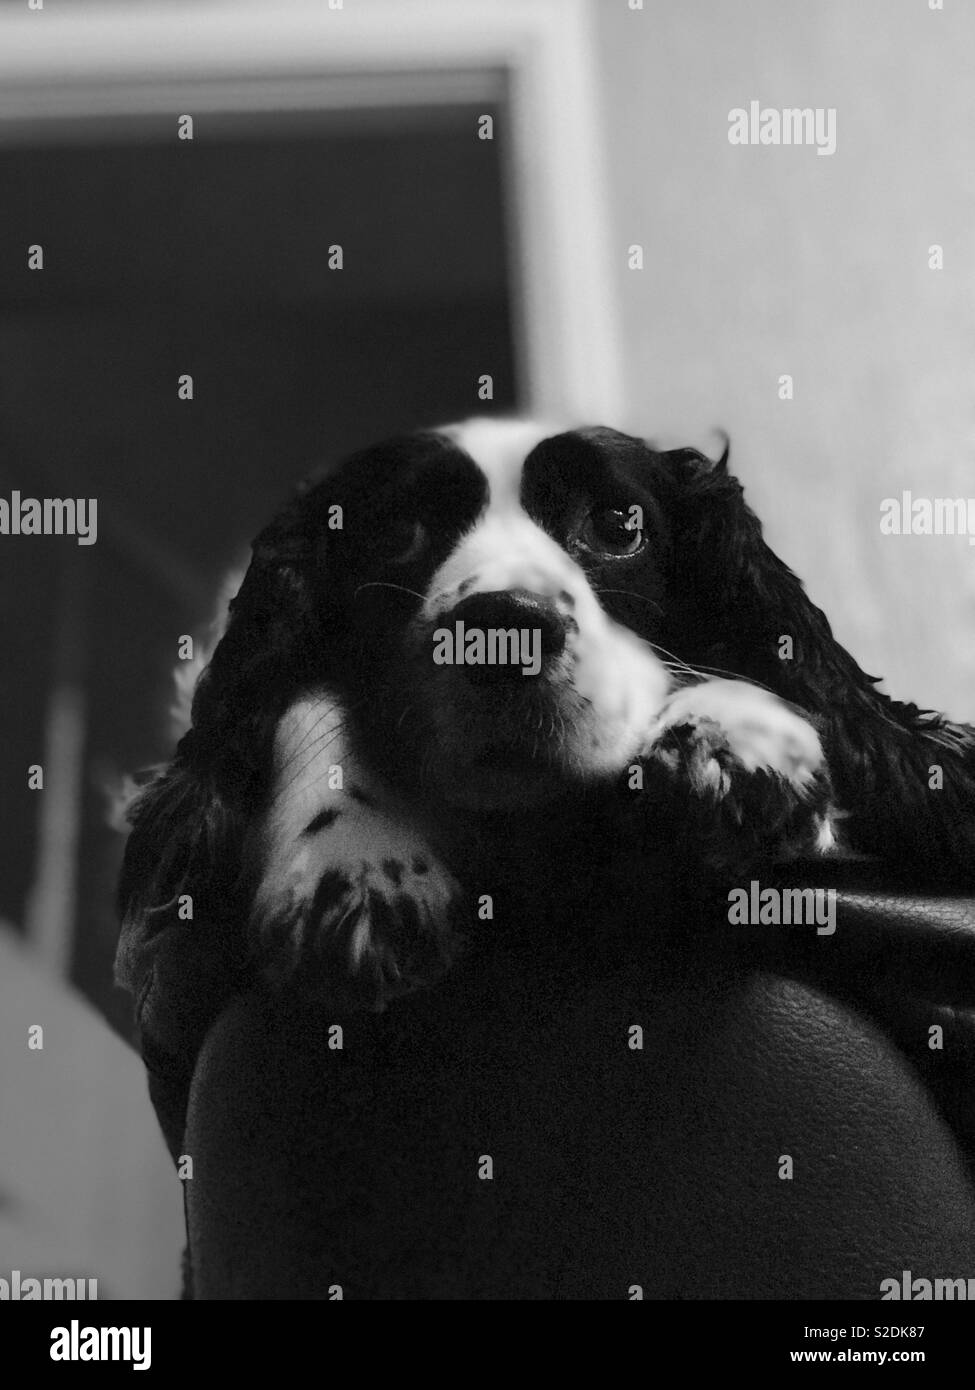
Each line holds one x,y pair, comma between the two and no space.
748,770
351,900
360,905
732,720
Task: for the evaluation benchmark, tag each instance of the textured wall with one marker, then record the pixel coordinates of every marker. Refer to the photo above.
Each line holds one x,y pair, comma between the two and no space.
768,260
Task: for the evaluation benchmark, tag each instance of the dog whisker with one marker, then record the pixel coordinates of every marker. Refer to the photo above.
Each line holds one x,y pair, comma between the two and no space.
320,745
309,737
383,584
700,671
627,593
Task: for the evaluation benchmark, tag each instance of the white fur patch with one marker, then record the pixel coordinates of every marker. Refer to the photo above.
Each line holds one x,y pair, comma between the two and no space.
373,843
499,448
761,730
763,734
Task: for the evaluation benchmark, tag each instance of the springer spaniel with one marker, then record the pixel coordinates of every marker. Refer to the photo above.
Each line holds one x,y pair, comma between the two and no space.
488,637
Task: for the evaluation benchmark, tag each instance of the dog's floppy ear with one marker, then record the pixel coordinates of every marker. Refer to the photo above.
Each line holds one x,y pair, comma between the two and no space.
181,859
182,889
274,630
737,606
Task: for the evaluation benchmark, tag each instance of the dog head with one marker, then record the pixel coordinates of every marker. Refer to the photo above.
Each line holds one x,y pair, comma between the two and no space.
484,601
489,595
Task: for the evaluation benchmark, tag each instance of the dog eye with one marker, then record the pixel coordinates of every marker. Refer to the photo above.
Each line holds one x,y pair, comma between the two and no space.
405,542
613,532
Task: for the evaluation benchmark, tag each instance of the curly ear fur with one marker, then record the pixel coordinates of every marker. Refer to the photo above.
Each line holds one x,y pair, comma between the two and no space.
188,820
184,840
735,599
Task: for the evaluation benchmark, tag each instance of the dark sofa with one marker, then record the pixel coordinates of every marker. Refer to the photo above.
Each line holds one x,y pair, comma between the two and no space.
615,1171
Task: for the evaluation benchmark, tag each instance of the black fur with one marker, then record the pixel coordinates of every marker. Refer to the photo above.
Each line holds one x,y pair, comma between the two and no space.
733,600
706,589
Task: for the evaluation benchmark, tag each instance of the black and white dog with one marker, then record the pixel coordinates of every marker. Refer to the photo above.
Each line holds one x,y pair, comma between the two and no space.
464,634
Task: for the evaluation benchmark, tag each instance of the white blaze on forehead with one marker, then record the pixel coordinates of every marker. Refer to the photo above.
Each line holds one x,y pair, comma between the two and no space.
505,551
499,448
505,548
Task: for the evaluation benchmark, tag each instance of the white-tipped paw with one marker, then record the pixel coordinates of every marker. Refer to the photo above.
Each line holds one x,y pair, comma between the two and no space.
359,900
351,897
745,773
752,726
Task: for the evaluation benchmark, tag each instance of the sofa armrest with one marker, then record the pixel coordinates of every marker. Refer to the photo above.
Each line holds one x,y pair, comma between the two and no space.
363,1168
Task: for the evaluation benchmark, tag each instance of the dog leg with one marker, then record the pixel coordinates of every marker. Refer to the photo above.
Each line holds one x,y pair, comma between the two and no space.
351,899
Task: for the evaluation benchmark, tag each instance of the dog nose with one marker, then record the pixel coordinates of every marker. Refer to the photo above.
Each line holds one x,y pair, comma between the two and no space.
506,609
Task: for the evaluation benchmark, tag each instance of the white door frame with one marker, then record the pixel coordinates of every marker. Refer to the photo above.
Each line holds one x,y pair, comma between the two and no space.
107,62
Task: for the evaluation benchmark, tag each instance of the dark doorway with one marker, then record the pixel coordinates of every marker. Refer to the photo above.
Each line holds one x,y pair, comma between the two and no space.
210,258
